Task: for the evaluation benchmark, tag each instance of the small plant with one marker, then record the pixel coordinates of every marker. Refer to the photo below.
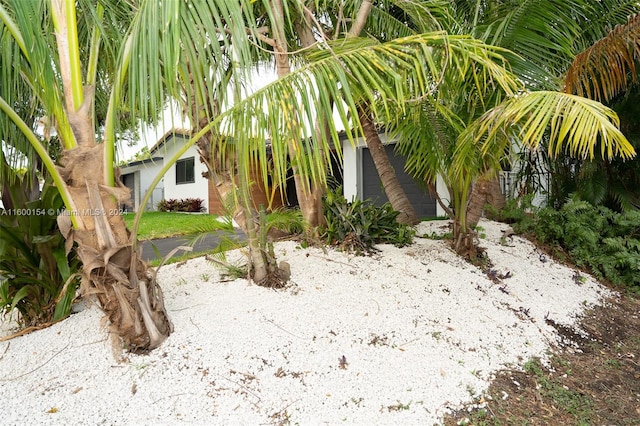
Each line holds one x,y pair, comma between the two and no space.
399,406
612,363
358,225
281,221
572,402
437,237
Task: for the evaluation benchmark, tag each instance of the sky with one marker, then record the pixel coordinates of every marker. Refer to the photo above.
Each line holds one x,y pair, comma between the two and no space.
171,117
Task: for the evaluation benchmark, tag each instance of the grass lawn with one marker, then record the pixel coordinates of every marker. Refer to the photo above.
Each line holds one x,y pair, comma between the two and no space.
170,224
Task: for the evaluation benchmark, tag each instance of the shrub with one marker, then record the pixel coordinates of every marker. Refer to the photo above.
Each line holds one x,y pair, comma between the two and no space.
597,238
358,225
188,205
37,276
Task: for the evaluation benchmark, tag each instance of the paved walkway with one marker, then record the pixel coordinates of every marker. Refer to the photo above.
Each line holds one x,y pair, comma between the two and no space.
165,245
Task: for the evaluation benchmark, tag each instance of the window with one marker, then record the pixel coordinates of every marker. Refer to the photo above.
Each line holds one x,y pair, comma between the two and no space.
185,172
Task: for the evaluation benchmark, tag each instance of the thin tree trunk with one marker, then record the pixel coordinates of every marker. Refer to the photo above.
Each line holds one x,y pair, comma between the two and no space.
392,188
388,177
485,191
464,238
309,195
477,200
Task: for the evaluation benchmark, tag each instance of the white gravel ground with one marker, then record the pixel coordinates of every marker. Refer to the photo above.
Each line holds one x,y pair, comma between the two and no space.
401,337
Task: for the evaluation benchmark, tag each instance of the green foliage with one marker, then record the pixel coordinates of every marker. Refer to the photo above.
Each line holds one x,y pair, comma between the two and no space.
289,221
518,212
277,222
597,238
37,277
358,225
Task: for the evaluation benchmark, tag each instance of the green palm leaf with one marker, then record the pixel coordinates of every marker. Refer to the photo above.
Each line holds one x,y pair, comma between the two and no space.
388,75
573,123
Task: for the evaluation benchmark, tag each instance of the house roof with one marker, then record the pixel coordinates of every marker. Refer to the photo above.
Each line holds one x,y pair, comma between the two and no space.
146,160
184,133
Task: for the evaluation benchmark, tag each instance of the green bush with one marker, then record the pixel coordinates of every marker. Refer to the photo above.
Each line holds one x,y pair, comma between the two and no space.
358,225
597,238
37,277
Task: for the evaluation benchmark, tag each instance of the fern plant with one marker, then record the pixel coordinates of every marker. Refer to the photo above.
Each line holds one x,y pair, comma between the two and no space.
597,238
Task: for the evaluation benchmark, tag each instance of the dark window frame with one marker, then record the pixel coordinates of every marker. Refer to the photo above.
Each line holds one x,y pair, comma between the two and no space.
185,171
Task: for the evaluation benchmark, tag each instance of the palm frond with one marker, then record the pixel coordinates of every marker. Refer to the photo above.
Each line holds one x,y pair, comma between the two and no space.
34,68
574,124
608,67
170,40
540,31
426,138
387,75
597,18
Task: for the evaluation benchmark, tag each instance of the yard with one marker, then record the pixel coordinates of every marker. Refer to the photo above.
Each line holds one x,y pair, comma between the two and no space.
154,225
591,379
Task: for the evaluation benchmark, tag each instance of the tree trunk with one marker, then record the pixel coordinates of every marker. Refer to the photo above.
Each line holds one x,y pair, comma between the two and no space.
113,270
485,191
464,242
309,194
392,188
390,183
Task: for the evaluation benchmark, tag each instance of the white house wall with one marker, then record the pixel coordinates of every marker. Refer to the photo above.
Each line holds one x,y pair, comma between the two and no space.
147,175
197,189
351,171
144,173
443,192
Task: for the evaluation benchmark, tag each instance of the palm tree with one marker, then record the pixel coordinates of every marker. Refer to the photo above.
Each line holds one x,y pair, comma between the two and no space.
435,135
58,52
146,51
592,56
607,71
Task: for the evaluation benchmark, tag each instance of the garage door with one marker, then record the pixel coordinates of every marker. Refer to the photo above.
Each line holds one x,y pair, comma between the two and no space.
424,205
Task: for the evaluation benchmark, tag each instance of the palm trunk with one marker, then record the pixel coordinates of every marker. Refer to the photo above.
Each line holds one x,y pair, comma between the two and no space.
463,235
485,191
258,263
392,188
390,182
309,195
112,271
